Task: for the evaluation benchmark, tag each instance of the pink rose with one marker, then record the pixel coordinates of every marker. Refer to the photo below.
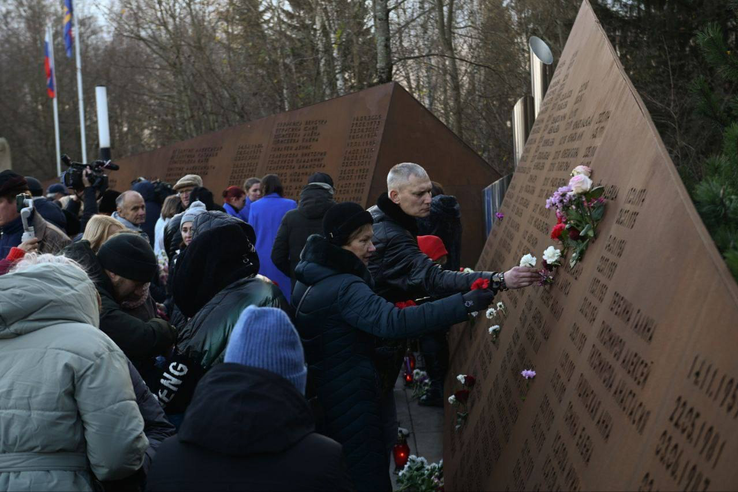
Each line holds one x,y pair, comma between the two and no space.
584,170
580,184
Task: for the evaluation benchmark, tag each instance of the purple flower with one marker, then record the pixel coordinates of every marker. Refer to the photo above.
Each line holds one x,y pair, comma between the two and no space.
528,373
500,215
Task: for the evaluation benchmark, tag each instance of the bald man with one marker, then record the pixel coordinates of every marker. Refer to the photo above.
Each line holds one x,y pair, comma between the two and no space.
131,210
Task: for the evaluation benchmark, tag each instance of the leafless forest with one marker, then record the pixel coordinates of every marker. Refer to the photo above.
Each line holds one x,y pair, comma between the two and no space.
179,68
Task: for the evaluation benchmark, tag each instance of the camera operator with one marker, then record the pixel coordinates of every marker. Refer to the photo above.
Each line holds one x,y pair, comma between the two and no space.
50,238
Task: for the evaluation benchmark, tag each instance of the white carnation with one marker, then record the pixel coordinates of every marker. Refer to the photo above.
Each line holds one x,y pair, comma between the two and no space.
452,400
461,378
551,255
528,261
491,313
494,329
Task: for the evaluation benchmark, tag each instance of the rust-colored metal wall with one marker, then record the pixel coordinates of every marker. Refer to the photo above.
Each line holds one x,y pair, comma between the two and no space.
355,138
637,384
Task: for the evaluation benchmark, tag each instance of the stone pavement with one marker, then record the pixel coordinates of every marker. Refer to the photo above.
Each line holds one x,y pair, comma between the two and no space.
424,423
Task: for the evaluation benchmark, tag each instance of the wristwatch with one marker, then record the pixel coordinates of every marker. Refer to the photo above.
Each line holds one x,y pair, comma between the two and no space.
498,281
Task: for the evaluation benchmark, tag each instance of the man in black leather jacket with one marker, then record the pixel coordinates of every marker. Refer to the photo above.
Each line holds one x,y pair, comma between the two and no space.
402,272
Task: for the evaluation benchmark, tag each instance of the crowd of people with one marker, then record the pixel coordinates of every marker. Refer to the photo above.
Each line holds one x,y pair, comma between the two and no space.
153,339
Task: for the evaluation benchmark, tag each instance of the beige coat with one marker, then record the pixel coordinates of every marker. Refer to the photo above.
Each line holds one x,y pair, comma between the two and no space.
67,406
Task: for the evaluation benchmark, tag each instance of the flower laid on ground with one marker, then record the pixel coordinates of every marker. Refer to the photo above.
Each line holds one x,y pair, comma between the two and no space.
404,304
491,313
452,400
418,475
580,206
528,374
500,215
528,260
421,383
501,307
466,270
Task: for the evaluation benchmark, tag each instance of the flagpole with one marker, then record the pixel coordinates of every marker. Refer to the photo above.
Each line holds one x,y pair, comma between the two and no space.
56,103
80,96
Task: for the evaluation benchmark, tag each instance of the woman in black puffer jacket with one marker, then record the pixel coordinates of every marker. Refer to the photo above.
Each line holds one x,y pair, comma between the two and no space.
338,317
215,280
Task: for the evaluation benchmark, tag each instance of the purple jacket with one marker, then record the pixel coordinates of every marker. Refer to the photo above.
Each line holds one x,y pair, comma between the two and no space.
265,216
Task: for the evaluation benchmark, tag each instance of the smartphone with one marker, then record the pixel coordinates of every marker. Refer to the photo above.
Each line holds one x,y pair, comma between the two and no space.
22,201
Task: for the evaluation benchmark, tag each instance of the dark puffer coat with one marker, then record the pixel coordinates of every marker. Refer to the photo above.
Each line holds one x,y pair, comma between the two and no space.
298,225
338,322
444,221
401,271
153,208
214,282
248,429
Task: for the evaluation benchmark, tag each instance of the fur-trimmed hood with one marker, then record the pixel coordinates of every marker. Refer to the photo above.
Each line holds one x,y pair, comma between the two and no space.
321,259
386,209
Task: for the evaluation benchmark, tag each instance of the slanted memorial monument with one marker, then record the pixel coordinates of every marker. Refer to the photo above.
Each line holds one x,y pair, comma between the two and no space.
636,384
355,138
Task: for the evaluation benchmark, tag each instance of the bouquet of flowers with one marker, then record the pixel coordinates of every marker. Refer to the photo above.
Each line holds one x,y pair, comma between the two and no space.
419,476
579,207
421,383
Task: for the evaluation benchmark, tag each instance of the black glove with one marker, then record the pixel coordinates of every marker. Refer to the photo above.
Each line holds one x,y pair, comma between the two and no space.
477,300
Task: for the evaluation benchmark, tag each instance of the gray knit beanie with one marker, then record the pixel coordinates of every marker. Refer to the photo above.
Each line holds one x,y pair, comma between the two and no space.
196,208
265,338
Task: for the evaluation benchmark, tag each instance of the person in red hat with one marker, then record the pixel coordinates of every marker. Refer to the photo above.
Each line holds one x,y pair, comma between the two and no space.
433,247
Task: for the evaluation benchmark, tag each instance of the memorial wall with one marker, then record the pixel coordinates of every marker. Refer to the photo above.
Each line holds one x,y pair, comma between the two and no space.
355,138
636,384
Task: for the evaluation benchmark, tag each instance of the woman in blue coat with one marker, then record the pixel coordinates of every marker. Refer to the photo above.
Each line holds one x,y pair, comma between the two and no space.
265,216
339,318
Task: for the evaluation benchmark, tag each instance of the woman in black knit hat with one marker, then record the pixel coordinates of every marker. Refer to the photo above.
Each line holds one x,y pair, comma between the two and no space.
339,317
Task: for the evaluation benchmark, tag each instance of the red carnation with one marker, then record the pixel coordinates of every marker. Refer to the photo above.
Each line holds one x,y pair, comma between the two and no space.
404,304
557,231
469,381
462,396
574,233
480,283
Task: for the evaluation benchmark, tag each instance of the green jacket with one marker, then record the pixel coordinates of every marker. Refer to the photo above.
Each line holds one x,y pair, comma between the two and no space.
68,409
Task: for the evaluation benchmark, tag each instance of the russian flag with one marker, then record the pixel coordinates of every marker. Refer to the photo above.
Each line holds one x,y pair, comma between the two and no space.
49,65
68,32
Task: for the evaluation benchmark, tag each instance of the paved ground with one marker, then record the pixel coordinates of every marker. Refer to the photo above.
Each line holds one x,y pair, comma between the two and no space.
424,423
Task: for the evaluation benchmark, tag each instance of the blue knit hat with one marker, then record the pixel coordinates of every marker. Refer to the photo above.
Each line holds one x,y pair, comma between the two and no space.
265,338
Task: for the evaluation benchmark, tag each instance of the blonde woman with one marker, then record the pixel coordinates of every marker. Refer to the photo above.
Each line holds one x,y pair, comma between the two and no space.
99,229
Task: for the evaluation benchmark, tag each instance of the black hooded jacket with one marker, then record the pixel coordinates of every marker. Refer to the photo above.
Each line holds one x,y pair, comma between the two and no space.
444,221
248,429
298,225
